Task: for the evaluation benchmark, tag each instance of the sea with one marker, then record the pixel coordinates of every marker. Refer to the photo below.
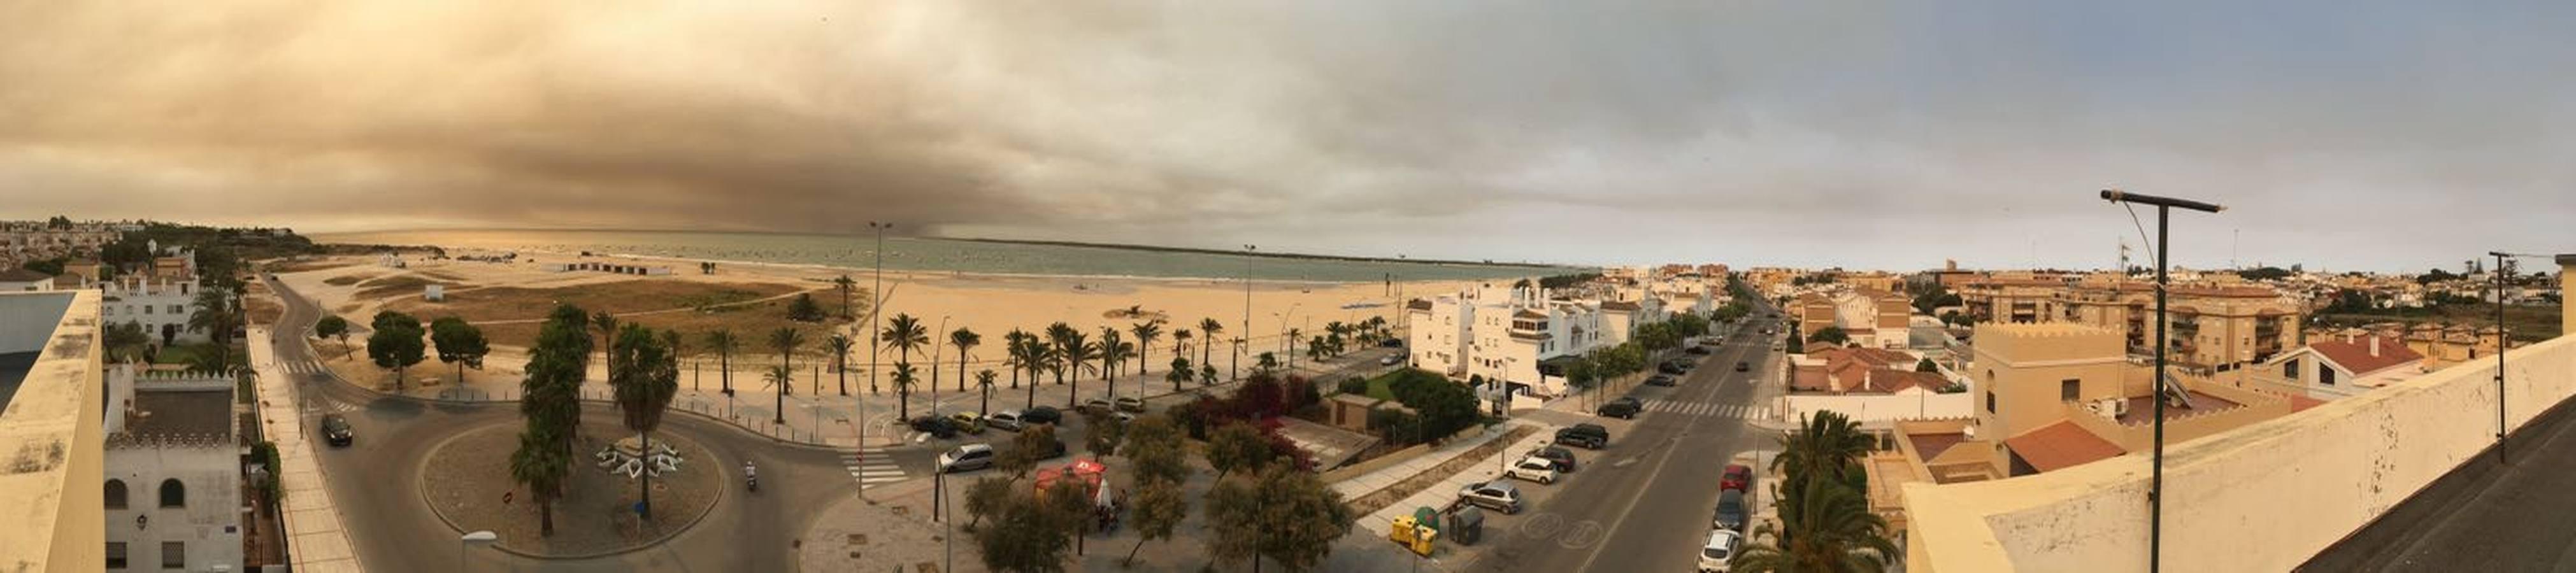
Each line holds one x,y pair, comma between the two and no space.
935,254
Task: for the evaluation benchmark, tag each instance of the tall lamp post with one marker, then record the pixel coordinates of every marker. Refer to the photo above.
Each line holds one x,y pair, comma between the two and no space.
1246,335
2501,273
876,304
2156,487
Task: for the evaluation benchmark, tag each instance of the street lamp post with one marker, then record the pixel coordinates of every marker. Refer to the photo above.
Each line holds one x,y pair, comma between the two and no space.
2156,485
1235,367
470,539
876,303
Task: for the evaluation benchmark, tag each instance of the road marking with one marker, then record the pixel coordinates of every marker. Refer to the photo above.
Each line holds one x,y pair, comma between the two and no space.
871,467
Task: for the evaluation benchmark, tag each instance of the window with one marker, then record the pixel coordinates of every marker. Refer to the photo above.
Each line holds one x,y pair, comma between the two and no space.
2290,369
2068,389
115,494
174,555
116,555
1990,401
147,309
173,494
175,309
2326,376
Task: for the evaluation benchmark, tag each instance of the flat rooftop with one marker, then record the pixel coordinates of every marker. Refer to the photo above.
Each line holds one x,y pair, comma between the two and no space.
180,414
2140,408
13,370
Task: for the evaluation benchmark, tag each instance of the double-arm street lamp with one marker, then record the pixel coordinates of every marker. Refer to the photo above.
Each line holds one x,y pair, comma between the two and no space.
2156,485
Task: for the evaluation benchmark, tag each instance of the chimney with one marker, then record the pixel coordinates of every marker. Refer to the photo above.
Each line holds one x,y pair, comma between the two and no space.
2374,346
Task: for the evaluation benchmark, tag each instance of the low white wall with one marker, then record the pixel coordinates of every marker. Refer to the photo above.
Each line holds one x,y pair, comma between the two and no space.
1884,408
2265,497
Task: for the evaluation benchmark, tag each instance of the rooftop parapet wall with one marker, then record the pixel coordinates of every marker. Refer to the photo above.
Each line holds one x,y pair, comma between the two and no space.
2263,497
50,485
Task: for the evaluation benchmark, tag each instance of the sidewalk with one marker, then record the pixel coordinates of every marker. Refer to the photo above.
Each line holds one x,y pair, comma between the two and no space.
1446,491
315,540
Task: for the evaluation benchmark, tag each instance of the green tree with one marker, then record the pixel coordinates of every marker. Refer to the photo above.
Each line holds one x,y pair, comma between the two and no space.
1047,359
607,325
1016,355
905,378
985,497
840,345
398,346
647,376
785,340
1027,536
332,327
1237,446
1080,354
550,394
1180,373
1826,445
541,465
845,285
1833,335
1266,365
216,313
723,342
127,341
1926,365
964,340
1207,374
1147,333
1157,510
984,381
459,343
1155,445
1023,455
803,309
1824,527
1208,329
904,334
1289,516
1105,432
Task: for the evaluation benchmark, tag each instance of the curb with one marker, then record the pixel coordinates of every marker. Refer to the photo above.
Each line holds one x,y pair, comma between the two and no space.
423,490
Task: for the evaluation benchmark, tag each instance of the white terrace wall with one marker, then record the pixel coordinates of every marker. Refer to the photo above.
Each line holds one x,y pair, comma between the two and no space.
2265,497
1884,407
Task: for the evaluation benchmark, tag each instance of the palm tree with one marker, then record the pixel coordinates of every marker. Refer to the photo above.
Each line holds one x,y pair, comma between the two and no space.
1828,445
607,325
1113,353
1147,333
904,334
1180,341
645,382
723,342
984,380
963,340
785,340
540,465
844,284
904,379
1208,329
1046,358
1015,352
1292,335
218,315
1077,354
1826,528
841,344
1060,336
780,376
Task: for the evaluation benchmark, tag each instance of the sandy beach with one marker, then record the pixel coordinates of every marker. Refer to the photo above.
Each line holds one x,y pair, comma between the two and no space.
507,300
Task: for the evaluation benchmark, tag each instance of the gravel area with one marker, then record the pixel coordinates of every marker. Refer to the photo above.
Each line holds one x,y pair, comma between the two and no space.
465,479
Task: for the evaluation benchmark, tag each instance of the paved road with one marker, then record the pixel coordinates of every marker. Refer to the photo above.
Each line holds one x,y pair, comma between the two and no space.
2482,516
1644,504
376,486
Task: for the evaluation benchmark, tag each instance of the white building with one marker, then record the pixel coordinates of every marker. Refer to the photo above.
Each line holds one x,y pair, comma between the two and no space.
161,305
23,280
2342,366
172,493
1510,335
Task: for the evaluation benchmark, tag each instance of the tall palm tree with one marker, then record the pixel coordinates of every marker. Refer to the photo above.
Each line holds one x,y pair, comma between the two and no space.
904,334
1827,445
984,380
786,339
1147,333
1060,337
1078,352
844,283
780,376
540,464
723,342
1292,335
905,377
1110,339
1208,329
1045,358
963,340
1015,354
841,344
1826,528
644,381
607,325
218,314
1180,341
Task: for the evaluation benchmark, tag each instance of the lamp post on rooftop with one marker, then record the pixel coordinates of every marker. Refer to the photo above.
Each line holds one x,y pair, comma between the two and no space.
2156,487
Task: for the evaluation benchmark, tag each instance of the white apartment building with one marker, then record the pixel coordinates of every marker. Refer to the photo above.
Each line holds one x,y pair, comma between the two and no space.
162,305
1509,335
172,494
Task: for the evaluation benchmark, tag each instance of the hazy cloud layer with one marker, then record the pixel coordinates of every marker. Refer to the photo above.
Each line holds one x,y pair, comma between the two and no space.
2342,134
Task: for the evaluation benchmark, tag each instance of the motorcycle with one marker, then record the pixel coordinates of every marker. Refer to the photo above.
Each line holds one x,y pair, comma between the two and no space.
749,479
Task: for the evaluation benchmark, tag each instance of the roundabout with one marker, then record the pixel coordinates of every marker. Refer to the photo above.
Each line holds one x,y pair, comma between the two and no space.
466,480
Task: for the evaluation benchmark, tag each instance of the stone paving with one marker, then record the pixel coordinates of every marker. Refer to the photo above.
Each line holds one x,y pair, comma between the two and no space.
315,540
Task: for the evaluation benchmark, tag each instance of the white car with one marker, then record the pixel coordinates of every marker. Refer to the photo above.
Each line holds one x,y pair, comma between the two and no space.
1534,468
1391,360
1721,549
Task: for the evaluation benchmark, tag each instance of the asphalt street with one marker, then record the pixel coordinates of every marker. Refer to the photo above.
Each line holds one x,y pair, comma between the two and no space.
1646,502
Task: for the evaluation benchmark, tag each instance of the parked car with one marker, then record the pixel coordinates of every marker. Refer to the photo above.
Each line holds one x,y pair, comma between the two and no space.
1624,408
1697,350
1564,458
1591,436
968,422
1662,380
1391,360
1737,477
1741,366
1686,365
1533,468
1669,368
1716,556
1131,404
1730,510
1098,405
335,429
1495,495
965,458
1006,419
1042,415
1391,343
937,427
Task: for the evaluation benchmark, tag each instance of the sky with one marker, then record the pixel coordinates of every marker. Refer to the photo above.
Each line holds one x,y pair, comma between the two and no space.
2341,135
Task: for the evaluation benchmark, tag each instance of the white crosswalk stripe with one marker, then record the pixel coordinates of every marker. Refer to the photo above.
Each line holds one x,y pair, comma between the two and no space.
1737,411
871,467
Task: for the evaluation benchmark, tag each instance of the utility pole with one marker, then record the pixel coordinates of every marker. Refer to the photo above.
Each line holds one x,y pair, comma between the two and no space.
2156,485
876,304
1246,334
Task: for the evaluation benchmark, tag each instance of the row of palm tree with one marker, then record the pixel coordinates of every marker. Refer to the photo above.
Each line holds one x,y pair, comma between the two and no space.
1825,522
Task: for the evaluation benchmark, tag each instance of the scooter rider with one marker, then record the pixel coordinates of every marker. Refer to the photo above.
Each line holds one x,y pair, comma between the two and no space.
750,475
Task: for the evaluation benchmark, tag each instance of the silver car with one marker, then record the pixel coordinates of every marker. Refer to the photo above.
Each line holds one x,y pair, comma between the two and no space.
1496,495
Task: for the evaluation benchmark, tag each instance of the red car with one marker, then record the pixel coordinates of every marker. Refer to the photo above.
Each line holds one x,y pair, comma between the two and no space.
1737,477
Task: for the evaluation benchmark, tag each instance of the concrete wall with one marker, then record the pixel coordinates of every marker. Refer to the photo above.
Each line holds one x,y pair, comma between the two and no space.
50,436
1909,405
208,526
2263,497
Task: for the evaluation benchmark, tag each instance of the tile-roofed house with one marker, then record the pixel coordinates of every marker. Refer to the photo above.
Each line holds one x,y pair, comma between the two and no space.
2059,446
1889,381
